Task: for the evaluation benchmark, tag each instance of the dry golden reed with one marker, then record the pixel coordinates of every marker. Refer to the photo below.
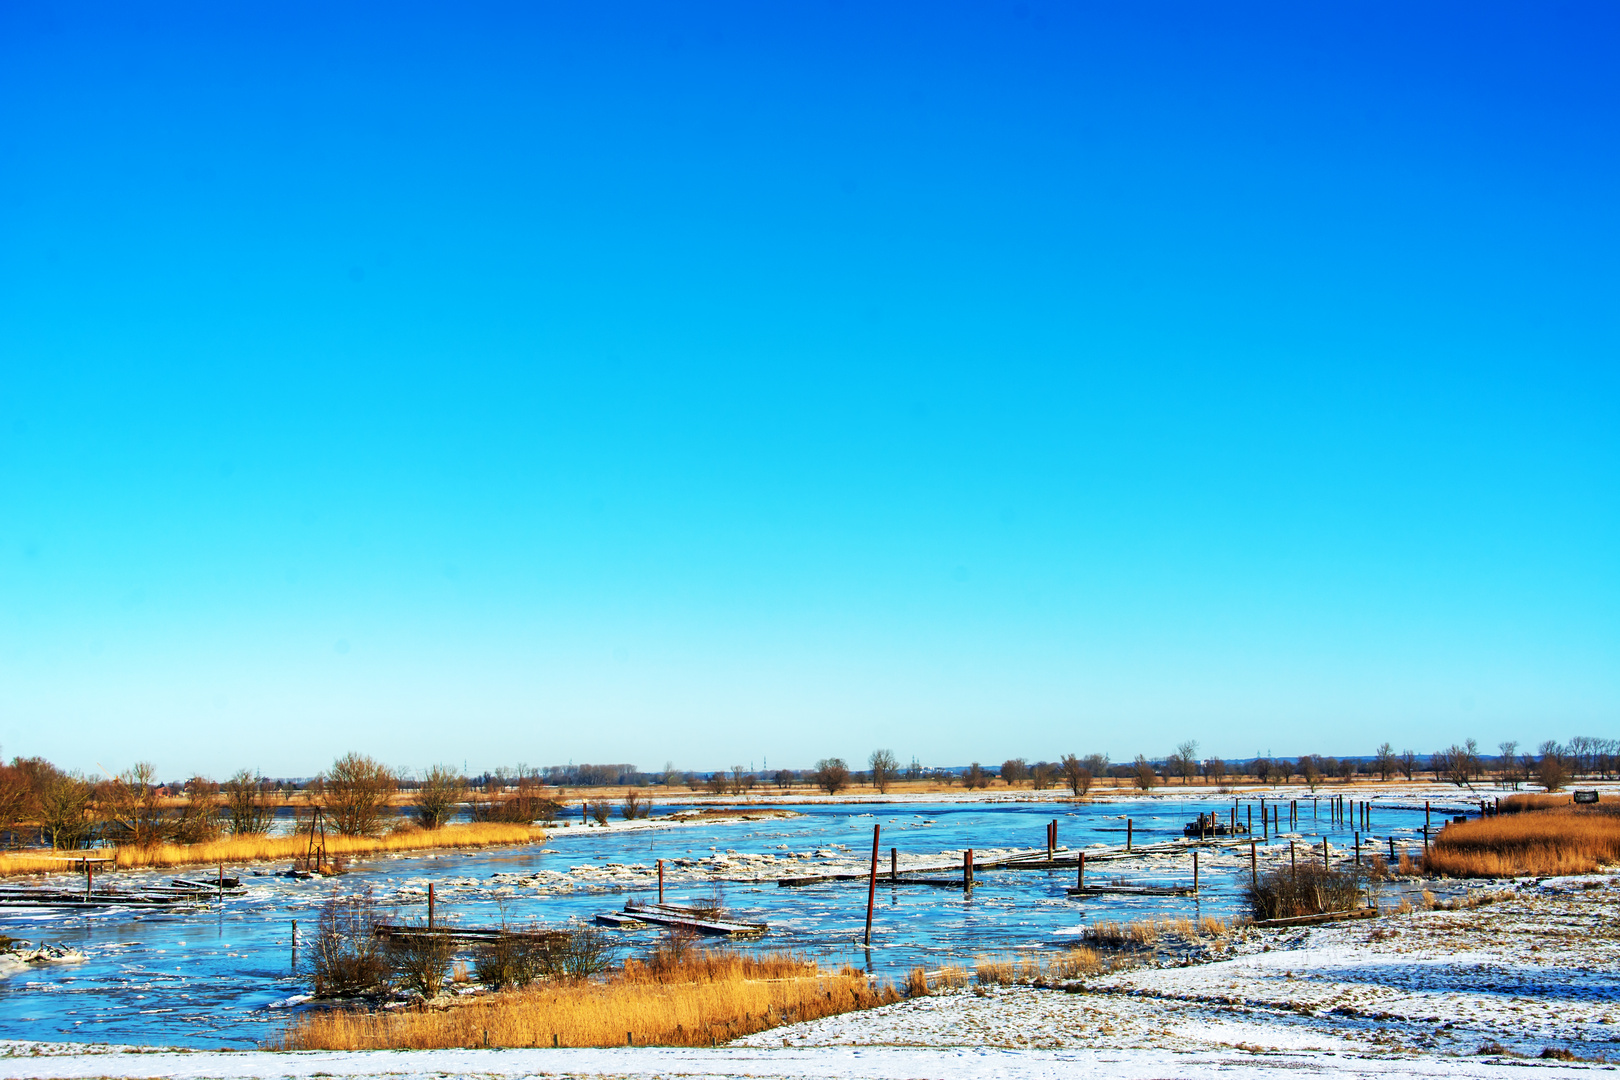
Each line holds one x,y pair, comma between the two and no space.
701,1001
1540,843
236,850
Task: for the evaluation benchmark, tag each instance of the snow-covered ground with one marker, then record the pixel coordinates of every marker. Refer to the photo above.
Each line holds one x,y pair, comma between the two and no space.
1471,993
830,1063
1538,970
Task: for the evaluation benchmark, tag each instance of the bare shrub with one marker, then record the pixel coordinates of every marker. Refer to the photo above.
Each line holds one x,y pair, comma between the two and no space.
635,805
347,957
514,960
441,791
1307,889
599,811
917,983
577,954
420,961
1142,774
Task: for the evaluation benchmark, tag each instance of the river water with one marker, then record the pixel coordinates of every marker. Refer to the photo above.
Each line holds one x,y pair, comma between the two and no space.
210,977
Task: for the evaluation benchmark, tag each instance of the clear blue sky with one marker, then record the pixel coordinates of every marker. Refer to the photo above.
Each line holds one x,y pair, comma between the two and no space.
725,383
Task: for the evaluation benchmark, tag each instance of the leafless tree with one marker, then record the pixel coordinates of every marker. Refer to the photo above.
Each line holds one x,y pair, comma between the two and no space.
1142,774
1184,762
1215,769
832,775
1507,759
1551,773
134,808
1409,763
975,777
1014,771
1384,761
1075,774
65,808
884,768
249,808
1042,774
354,793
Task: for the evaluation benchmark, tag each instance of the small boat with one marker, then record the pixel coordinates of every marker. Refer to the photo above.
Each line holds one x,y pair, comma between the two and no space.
1213,825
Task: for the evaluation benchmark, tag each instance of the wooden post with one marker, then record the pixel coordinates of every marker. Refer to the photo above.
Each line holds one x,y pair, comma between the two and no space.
585,815
1080,877
1251,819
660,881
1392,851
1324,853
1195,871
1293,865
894,864
90,877
1254,866
1128,834
430,905
871,884
1358,848
1425,817
967,868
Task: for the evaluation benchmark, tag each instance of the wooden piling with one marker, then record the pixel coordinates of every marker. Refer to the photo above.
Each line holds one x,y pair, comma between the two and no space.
660,881
1080,875
871,883
1195,871
430,905
967,869
1293,865
1254,864
1127,834
894,863
1358,848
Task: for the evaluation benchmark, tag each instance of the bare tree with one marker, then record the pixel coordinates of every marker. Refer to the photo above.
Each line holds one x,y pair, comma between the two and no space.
249,808
1015,771
1042,774
975,777
832,775
135,809
354,793
1551,773
1310,770
884,768
1215,769
1409,763
65,808
441,791
17,801
1384,761
1507,761
1184,762
1142,774
1076,774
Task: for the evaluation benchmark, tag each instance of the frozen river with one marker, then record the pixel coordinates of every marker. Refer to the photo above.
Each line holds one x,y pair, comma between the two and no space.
209,977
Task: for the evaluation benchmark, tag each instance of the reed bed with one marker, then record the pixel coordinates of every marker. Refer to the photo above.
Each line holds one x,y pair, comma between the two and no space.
1540,843
31,863
1145,933
701,1001
235,850
1518,804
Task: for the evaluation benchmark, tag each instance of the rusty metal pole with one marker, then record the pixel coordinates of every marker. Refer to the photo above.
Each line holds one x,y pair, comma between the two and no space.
871,883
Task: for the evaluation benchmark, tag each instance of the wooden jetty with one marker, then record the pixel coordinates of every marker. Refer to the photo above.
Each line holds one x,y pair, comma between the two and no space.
471,935
153,897
700,920
1131,891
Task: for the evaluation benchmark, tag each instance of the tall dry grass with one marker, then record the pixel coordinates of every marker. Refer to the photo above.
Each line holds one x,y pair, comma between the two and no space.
1518,804
706,999
1038,970
1540,843
236,850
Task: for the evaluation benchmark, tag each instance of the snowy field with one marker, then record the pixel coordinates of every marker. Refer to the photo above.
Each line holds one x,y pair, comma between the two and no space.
1470,993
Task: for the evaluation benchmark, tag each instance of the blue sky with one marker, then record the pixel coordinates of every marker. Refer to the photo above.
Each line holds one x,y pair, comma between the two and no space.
727,384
